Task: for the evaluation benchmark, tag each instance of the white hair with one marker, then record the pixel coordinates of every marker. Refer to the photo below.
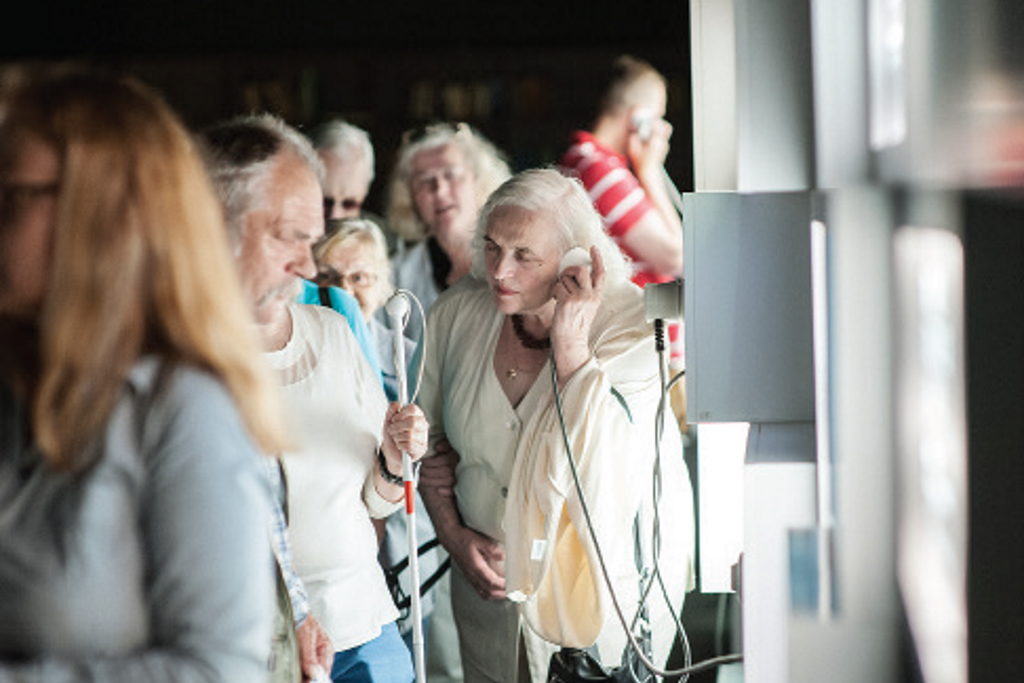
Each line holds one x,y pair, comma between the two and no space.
241,155
485,161
545,190
345,140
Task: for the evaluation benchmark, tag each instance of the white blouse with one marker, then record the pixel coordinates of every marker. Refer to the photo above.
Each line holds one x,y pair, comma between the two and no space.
337,408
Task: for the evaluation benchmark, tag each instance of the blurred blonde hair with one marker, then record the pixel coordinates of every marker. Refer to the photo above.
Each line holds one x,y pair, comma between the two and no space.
485,162
140,262
360,232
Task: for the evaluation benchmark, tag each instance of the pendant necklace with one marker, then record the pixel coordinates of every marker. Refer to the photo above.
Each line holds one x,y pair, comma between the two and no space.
527,340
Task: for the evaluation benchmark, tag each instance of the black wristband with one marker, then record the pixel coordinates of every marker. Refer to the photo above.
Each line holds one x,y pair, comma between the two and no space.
382,463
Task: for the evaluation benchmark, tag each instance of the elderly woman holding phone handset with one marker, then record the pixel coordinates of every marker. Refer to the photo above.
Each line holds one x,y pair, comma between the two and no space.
500,344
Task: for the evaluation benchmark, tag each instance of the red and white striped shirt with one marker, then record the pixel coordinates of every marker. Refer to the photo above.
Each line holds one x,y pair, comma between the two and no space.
621,201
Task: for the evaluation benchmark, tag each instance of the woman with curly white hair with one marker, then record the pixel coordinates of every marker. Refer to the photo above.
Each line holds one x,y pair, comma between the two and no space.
443,174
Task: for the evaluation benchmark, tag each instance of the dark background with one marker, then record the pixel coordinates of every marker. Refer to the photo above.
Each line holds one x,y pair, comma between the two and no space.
526,74
215,26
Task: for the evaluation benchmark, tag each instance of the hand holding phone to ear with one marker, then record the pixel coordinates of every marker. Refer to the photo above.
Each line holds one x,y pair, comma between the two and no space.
577,256
647,145
643,123
578,292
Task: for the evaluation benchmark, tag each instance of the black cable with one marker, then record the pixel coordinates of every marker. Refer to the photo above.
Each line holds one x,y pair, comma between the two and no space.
636,648
659,336
659,430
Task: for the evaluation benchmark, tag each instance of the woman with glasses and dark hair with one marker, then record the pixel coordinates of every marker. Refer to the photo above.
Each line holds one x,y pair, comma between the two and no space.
442,176
133,400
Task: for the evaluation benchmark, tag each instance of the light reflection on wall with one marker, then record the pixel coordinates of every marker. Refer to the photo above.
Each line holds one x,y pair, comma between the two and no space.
931,433
887,76
721,448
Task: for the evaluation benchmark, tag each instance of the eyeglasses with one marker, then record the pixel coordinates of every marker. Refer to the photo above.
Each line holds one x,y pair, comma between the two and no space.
347,204
359,279
432,130
17,198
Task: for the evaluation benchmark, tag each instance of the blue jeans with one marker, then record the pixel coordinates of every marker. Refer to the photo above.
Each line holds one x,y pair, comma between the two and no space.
385,659
407,637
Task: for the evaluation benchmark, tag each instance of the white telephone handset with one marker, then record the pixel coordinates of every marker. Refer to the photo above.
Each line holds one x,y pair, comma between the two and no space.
577,256
643,123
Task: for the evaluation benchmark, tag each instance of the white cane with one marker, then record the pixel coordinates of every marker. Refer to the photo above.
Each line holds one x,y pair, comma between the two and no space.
397,308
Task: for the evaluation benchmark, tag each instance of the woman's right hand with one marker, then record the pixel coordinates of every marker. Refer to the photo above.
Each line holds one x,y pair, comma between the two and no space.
481,559
578,292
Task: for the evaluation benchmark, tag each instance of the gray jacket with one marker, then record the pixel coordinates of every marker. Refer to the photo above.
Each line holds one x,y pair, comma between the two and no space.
152,565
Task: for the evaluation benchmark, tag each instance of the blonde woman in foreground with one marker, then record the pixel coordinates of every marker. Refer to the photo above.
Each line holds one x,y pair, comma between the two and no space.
133,402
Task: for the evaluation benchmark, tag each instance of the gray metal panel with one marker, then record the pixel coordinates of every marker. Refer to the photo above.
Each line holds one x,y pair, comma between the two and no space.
840,93
774,97
749,352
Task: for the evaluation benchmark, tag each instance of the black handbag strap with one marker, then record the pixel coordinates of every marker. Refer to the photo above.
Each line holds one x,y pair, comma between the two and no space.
403,602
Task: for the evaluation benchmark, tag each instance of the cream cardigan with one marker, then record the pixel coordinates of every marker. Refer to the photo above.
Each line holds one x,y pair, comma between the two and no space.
551,562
